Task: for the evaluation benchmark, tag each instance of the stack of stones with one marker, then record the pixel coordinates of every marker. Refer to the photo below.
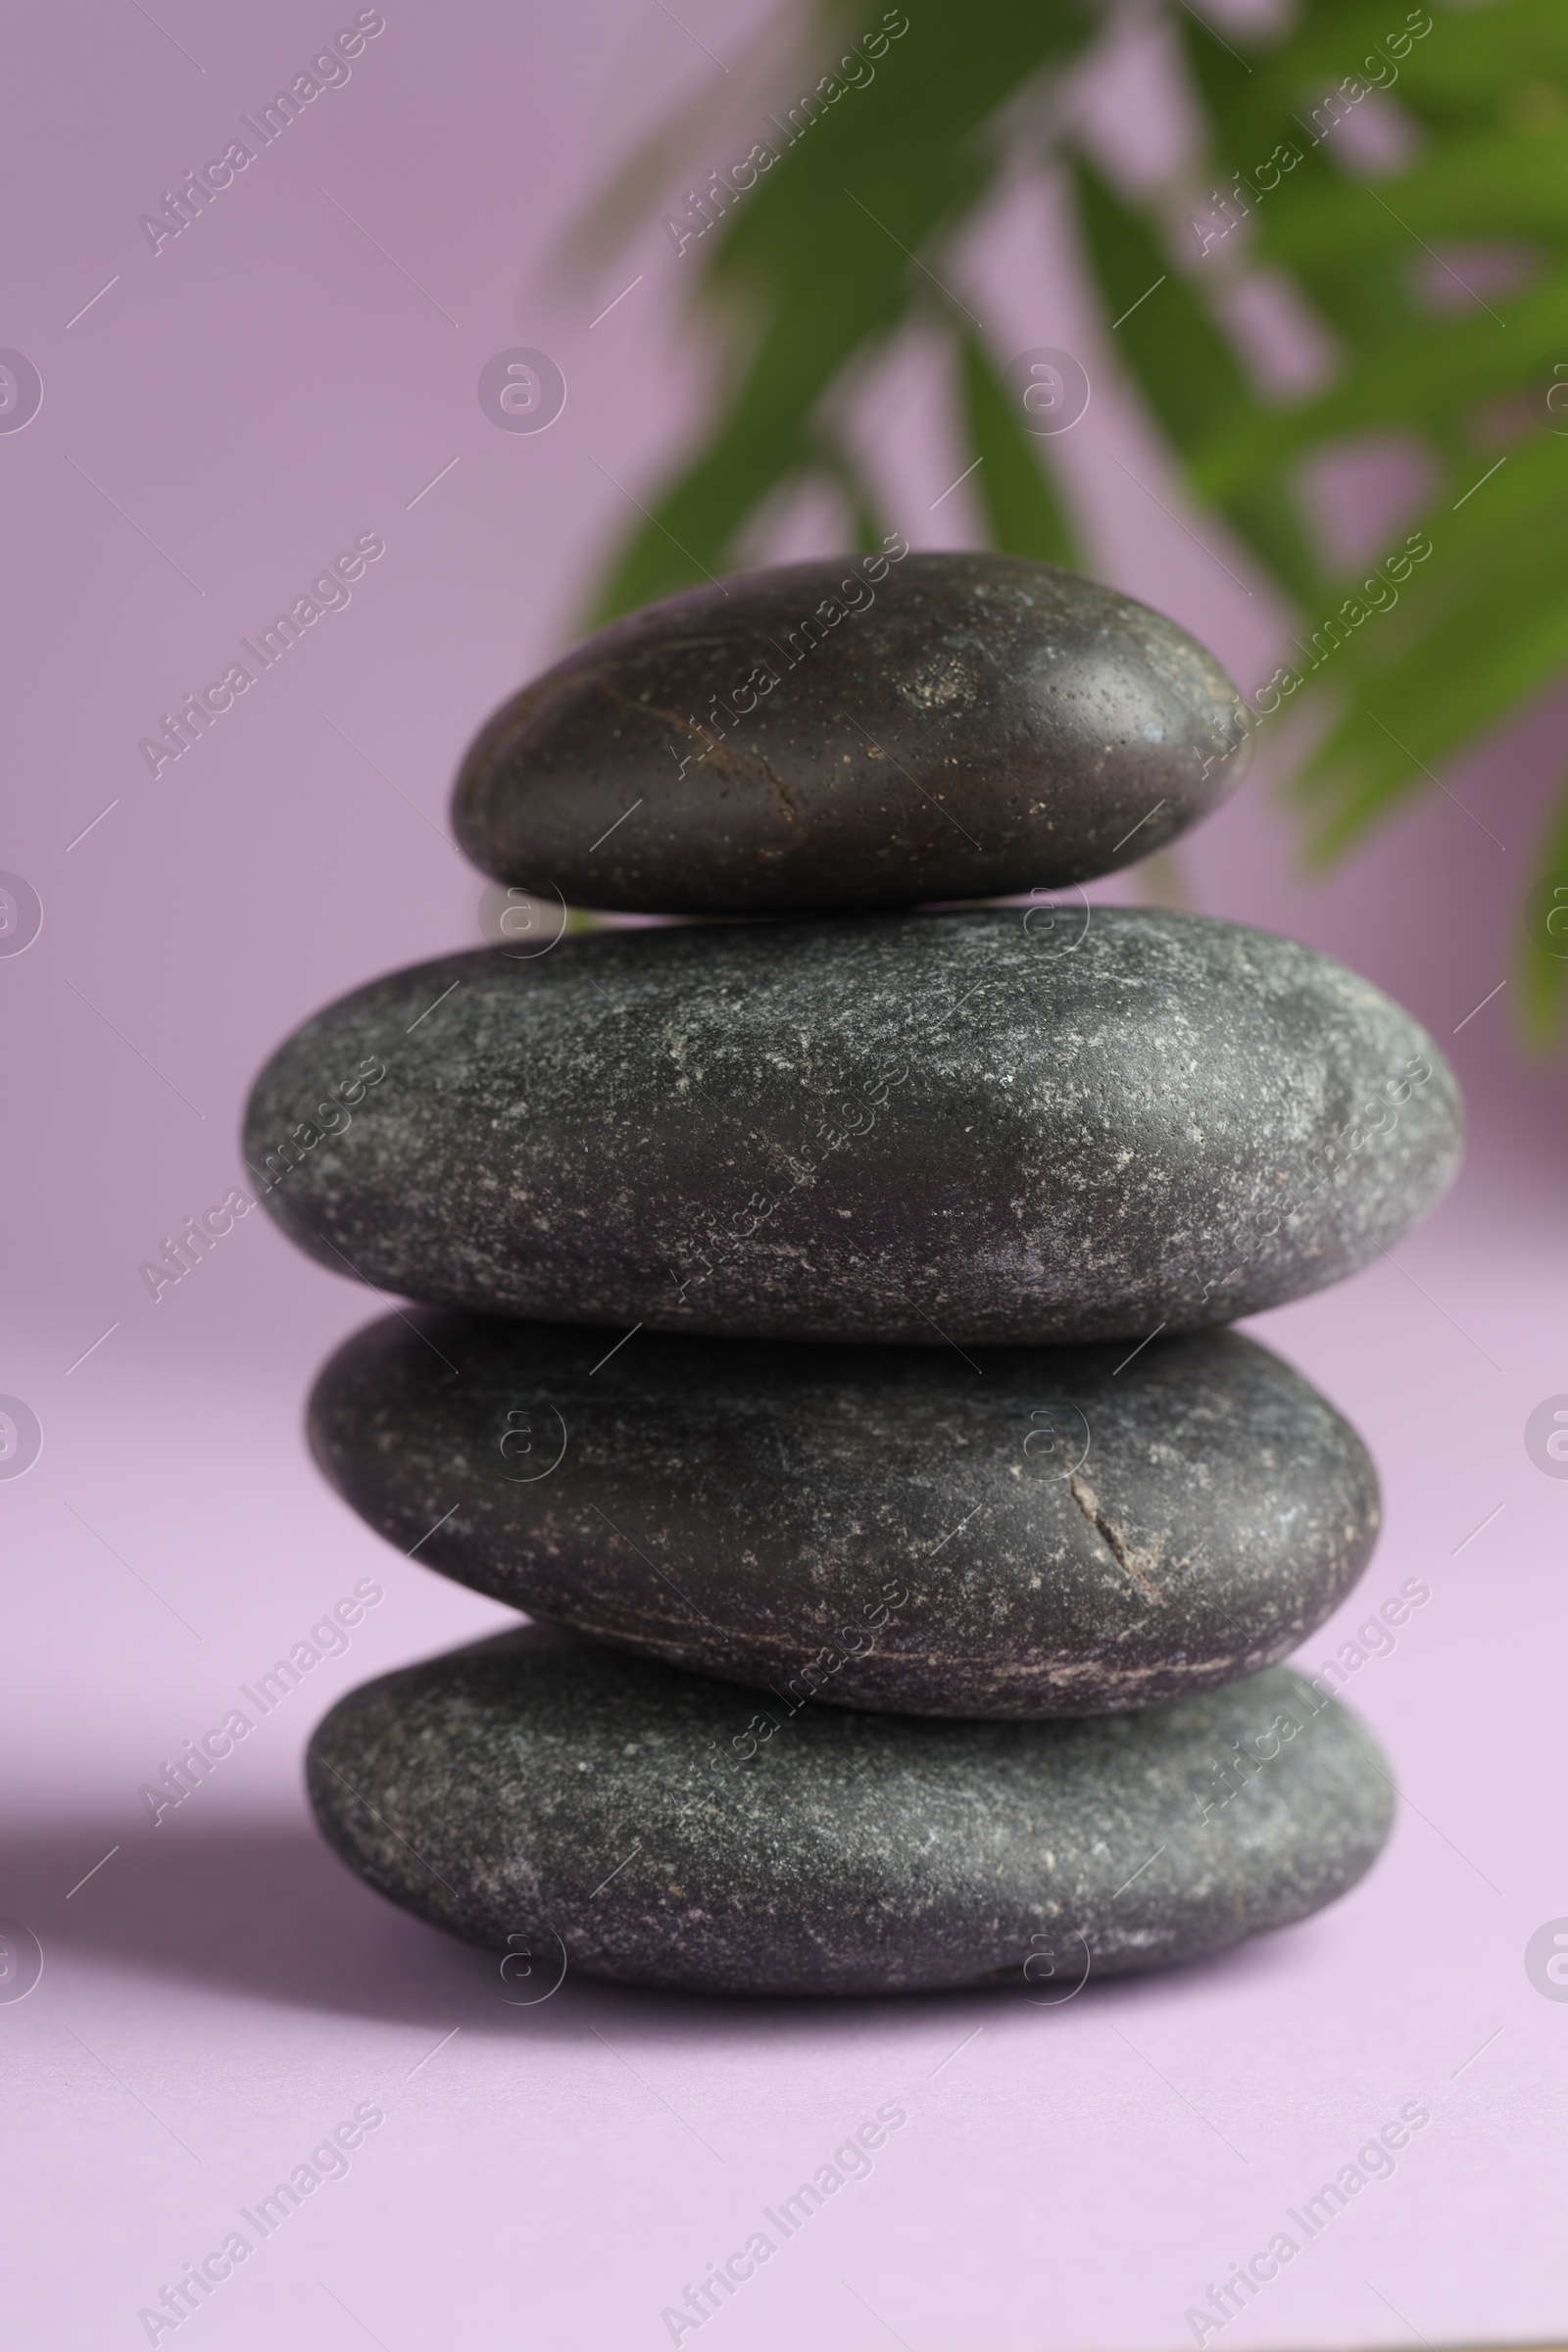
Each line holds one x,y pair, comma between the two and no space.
822,1304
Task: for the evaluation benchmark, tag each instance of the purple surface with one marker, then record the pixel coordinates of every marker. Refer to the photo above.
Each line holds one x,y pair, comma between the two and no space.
218,1994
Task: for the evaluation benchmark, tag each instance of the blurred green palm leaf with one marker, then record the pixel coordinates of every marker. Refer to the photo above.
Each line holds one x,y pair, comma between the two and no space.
1434,255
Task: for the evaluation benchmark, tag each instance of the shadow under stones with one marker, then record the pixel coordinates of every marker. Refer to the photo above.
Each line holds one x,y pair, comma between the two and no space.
264,1911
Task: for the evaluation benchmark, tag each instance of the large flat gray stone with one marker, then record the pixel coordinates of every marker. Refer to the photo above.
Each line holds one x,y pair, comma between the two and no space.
643,1824
989,1126
1028,1531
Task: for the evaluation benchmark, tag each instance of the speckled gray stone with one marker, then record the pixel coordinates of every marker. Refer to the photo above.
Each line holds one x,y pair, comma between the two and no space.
628,1820
1033,1532
943,1128
849,733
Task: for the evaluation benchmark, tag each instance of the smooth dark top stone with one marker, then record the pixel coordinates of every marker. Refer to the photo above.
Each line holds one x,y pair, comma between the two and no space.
628,1820
872,1527
855,732
935,1128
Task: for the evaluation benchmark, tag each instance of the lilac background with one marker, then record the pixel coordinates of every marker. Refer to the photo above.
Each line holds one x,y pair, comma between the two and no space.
214,428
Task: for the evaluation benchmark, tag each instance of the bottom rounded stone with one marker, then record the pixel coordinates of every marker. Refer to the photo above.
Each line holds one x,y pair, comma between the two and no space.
582,1809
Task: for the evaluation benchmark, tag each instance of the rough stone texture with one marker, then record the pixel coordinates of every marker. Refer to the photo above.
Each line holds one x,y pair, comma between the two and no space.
1035,1532
631,1821
990,1126
975,725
